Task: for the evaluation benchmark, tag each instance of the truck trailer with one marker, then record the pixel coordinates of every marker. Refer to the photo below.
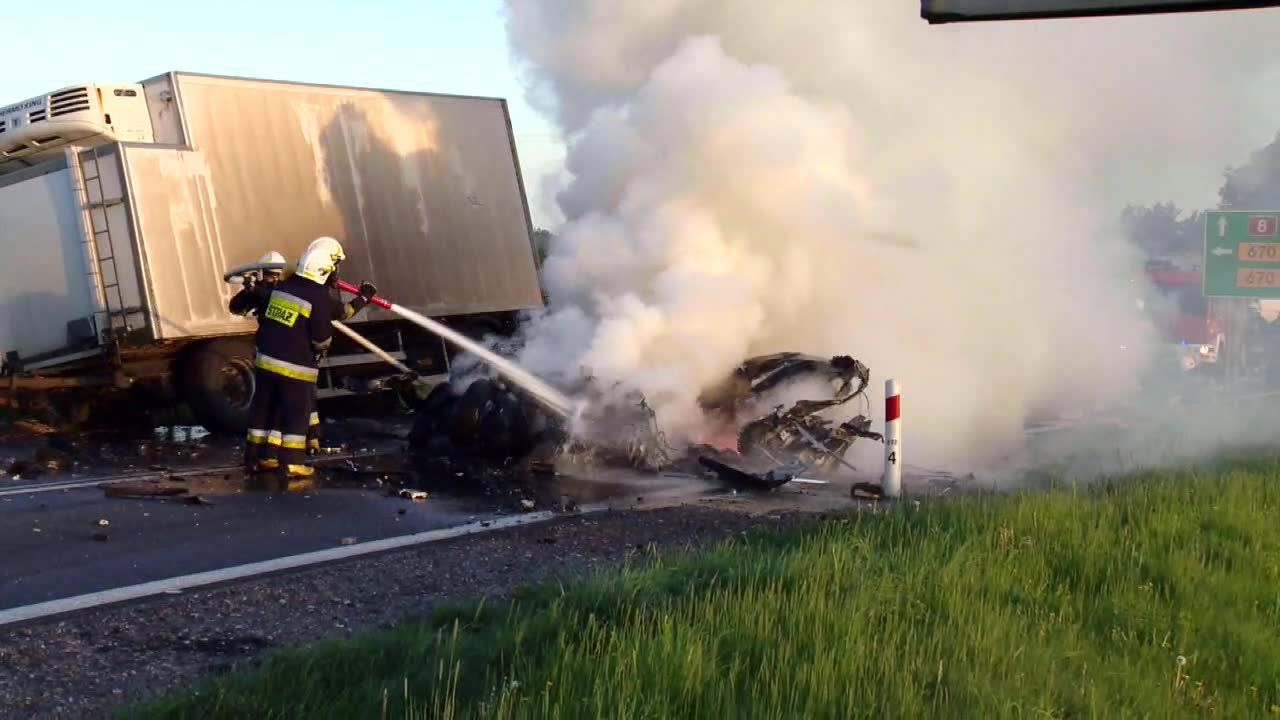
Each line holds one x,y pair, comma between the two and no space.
121,205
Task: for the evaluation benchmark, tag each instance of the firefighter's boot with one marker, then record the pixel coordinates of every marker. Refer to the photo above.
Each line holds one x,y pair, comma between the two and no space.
300,471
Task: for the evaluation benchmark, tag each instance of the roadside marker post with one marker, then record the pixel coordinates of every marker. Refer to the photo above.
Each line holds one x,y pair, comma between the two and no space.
891,483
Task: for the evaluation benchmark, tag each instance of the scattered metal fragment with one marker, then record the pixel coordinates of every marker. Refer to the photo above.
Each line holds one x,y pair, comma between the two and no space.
103,522
803,435
142,490
758,376
348,541
769,479
413,494
527,504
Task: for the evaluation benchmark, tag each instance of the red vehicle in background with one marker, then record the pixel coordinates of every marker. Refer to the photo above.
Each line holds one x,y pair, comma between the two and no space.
1183,316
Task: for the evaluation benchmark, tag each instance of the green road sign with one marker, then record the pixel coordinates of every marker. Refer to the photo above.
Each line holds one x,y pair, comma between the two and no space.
942,11
1242,254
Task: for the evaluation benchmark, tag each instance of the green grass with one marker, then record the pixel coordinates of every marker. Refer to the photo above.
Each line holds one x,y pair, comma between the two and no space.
1154,597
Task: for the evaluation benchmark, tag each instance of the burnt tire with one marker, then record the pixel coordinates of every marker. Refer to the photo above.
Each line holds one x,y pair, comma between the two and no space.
217,382
431,416
505,428
470,411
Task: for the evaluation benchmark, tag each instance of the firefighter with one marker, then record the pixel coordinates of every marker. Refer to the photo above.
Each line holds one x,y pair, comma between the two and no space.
252,300
295,327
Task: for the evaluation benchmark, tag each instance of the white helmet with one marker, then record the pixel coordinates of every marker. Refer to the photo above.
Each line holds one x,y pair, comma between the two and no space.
320,259
272,258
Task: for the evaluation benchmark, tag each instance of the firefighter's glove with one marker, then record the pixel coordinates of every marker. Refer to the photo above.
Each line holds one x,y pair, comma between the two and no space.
368,291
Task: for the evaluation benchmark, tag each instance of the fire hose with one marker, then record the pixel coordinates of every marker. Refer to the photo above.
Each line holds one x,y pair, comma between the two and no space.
368,345
241,271
546,395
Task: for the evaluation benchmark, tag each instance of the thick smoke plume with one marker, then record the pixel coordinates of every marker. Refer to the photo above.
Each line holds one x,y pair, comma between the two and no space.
841,178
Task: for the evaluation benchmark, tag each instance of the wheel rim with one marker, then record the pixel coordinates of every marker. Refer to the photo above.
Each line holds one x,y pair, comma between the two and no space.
237,383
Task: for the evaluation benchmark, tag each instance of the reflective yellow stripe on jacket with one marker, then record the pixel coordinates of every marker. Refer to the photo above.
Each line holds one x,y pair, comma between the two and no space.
293,302
287,369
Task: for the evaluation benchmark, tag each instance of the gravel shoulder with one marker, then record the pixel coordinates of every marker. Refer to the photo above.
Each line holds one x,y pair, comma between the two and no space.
91,664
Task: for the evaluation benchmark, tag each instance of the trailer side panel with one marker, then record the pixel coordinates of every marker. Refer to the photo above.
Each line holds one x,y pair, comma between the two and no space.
174,201
422,190
42,268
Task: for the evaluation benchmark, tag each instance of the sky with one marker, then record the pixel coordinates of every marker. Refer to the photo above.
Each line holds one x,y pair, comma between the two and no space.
425,45
421,45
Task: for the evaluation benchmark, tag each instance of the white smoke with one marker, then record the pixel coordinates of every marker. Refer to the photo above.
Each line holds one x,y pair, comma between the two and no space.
740,178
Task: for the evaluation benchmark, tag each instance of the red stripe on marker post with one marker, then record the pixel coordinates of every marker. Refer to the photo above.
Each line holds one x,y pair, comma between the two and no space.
892,408
891,482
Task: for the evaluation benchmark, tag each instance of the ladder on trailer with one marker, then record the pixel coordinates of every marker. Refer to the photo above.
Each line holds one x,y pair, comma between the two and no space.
98,206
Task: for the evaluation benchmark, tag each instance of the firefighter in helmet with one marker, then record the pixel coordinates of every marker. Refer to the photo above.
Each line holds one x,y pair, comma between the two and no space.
295,328
253,300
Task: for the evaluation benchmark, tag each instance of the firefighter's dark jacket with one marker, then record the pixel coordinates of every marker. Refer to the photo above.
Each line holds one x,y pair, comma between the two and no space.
295,325
253,300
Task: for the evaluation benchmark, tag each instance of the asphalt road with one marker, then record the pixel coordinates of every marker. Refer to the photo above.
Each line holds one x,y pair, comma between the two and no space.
55,545
60,542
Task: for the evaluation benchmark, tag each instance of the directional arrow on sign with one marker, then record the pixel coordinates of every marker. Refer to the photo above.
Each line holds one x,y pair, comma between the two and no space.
1236,244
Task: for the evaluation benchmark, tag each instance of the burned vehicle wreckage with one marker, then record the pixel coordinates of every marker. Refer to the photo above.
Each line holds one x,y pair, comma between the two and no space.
767,442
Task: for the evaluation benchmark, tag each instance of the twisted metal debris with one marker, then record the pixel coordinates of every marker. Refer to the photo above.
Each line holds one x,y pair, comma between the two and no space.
490,422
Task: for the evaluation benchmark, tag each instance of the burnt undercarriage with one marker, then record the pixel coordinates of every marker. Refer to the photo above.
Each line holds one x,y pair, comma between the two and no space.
492,424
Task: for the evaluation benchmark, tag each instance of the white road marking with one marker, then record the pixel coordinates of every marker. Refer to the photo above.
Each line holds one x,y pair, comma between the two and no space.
54,485
177,585
239,572
32,488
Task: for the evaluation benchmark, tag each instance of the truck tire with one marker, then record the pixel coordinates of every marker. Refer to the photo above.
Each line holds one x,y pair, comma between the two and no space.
217,382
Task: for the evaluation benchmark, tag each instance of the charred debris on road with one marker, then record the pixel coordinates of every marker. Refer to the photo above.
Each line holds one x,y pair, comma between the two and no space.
486,435
489,426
